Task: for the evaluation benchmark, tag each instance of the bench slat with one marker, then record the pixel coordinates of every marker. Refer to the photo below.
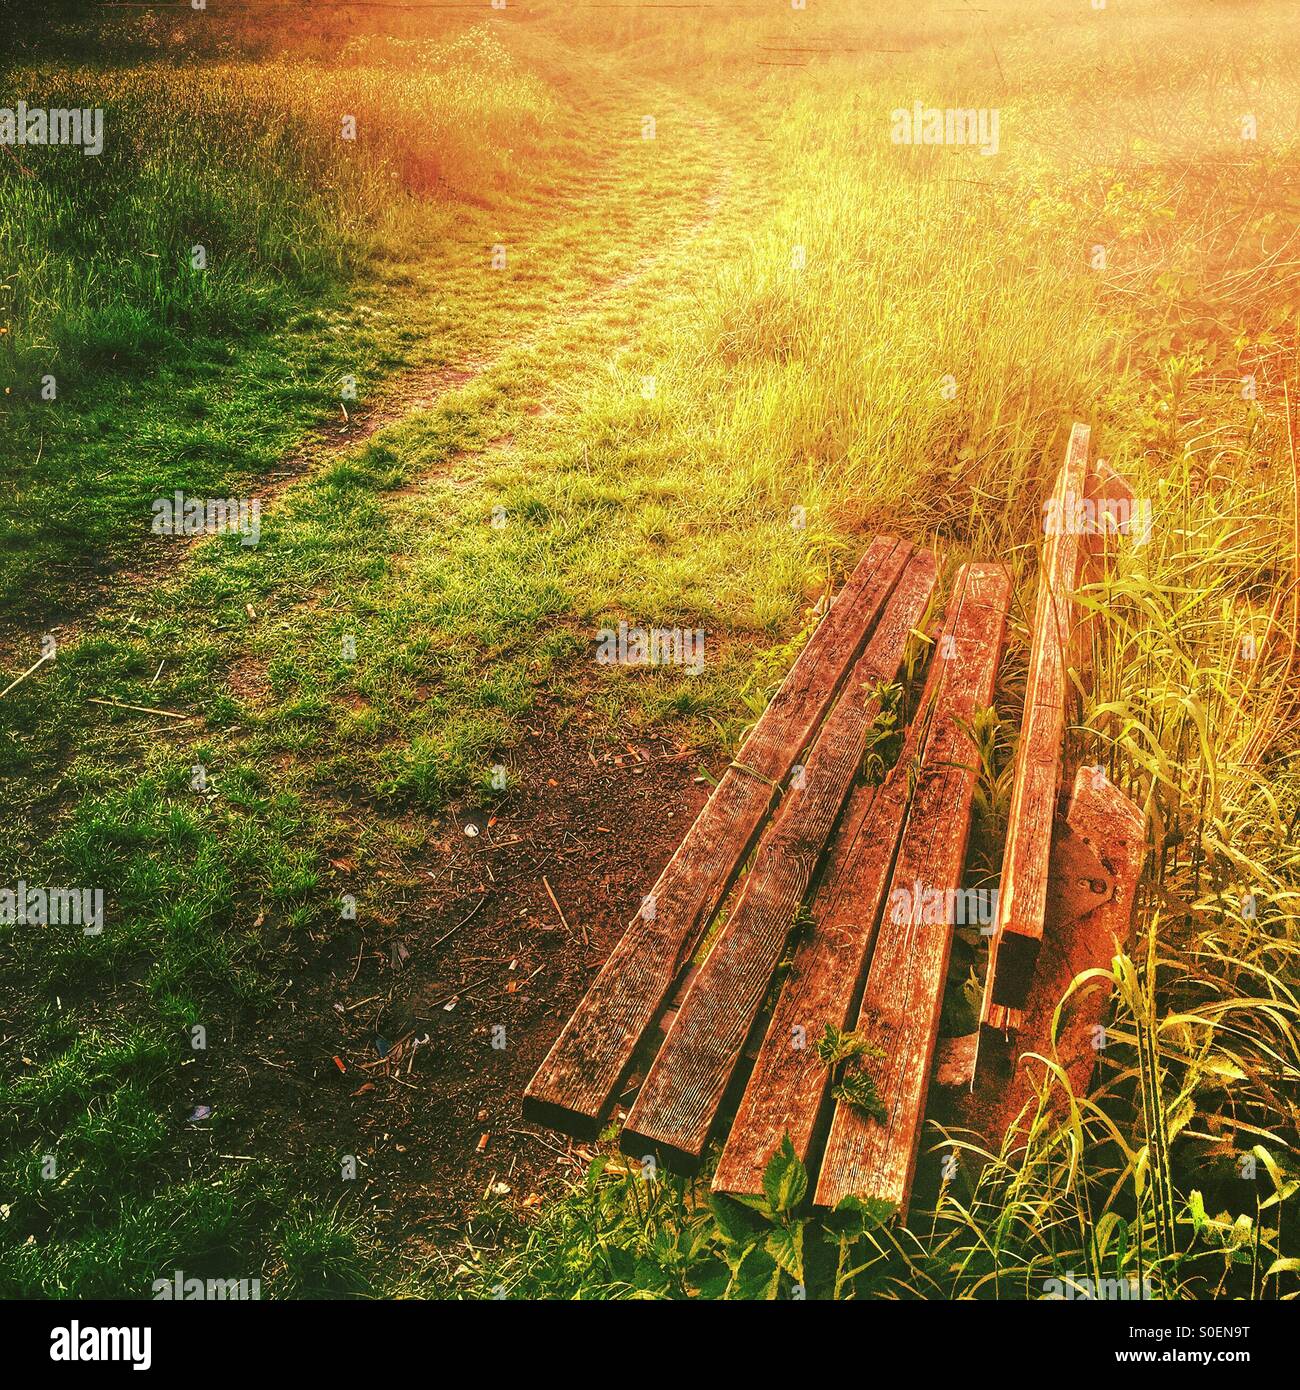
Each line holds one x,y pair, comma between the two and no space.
1096,864
582,1071
1022,896
787,1089
904,992
679,1100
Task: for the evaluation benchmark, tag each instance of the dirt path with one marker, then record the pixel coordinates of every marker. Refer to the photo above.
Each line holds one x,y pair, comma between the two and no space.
408,393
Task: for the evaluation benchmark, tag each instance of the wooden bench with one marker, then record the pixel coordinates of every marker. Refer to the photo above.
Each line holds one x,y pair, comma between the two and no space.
802,857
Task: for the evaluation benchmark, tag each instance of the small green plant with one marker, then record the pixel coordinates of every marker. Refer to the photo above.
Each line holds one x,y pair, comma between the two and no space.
845,1056
993,774
885,737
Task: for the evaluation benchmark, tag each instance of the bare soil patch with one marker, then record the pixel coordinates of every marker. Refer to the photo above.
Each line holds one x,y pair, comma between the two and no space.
408,1044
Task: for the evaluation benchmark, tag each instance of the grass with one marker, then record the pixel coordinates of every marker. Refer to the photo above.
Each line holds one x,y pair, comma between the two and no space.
212,255
713,362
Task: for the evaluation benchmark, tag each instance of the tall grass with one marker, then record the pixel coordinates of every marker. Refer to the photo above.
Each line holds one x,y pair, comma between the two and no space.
228,223
255,163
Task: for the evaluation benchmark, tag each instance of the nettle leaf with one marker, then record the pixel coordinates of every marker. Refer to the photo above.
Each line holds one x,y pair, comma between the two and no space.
846,1055
858,1089
695,1240
648,1278
785,1180
785,1245
758,1276
869,1211
710,1280
1241,1234
835,1045
622,1263
1181,1117
751,1203
734,1226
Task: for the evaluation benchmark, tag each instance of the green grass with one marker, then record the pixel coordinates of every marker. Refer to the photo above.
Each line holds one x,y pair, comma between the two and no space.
137,372
384,644
628,1232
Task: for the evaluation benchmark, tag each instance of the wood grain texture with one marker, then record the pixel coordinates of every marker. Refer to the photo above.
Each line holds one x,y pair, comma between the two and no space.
573,1086
679,1100
904,991
787,1088
1022,894
1096,864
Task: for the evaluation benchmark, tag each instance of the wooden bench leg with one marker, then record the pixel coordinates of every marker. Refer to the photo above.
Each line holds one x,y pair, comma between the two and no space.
1097,858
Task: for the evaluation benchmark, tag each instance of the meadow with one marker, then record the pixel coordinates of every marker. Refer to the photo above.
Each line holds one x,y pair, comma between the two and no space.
602,373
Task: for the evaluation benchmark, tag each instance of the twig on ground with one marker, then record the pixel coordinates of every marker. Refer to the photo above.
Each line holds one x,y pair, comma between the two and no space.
360,952
34,667
461,923
563,920
141,709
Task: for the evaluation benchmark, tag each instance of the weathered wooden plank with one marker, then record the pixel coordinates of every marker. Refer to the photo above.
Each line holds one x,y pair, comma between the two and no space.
1022,894
787,1088
679,1099
585,1065
905,983
1096,863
